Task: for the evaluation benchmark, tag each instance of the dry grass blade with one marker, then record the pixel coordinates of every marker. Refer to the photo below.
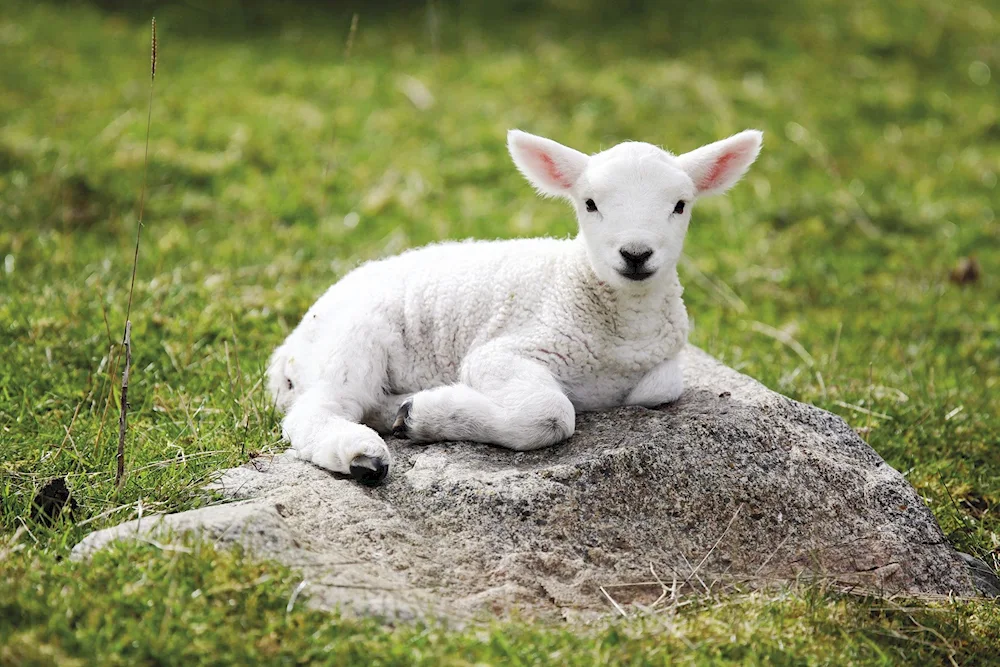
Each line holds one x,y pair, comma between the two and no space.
694,572
112,372
152,56
104,514
123,415
785,339
127,338
164,547
145,167
614,602
722,292
295,593
795,346
350,36
243,398
672,590
864,411
72,422
12,543
178,461
771,555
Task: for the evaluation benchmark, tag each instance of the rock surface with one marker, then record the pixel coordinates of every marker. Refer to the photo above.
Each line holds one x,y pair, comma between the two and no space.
732,484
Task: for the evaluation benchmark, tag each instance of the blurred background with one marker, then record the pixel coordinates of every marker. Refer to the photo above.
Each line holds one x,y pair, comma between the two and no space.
855,267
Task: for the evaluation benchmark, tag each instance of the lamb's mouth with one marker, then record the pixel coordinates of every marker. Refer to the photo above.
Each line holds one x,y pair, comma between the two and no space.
636,275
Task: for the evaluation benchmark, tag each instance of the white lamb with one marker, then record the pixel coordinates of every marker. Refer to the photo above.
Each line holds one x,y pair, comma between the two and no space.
502,341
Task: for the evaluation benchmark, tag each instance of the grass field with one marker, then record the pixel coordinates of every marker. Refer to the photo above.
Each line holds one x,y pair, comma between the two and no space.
280,157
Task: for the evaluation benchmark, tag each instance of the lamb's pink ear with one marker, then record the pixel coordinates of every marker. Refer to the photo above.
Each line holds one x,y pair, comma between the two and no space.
716,167
551,167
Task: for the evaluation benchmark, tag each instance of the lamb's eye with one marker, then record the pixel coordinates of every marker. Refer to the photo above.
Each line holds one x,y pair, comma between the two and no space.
679,208
591,206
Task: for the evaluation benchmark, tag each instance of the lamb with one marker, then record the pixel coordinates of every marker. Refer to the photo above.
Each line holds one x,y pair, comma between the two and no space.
503,341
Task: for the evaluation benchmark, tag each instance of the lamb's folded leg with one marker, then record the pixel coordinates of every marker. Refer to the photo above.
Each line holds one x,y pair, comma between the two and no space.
324,430
382,416
502,399
664,383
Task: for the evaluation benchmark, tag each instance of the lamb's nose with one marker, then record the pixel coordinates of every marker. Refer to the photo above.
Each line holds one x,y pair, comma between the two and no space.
635,256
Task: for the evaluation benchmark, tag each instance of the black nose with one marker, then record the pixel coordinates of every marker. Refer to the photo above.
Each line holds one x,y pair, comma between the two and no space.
635,259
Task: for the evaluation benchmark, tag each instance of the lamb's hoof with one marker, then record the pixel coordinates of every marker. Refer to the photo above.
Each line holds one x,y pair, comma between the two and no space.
369,470
401,426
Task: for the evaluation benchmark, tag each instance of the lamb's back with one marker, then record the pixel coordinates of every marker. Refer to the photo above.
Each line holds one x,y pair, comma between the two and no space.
431,305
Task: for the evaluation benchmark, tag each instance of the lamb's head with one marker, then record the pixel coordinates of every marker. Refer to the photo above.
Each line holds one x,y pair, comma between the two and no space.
633,201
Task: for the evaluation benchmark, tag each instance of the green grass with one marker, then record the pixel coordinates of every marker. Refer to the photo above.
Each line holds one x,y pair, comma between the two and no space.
219,607
276,164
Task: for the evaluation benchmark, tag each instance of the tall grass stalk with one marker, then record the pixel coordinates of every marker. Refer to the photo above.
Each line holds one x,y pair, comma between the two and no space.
127,337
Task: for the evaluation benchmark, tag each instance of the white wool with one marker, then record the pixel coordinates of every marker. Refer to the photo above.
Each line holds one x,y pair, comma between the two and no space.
502,341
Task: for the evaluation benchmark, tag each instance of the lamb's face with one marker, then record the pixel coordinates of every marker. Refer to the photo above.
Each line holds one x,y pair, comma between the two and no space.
633,201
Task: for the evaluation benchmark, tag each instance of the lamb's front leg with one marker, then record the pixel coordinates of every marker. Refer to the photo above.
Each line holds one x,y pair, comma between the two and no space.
324,430
664,383
502,399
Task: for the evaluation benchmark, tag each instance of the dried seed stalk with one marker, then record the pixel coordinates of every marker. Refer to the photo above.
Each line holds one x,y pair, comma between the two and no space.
127,338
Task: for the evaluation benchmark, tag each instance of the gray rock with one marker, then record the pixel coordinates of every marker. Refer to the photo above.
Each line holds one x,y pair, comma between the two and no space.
732,485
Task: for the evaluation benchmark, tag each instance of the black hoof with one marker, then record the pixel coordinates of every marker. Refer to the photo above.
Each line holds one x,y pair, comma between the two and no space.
369,470
401,426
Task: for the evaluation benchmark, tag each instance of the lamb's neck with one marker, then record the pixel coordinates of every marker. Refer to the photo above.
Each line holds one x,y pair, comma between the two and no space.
638,305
